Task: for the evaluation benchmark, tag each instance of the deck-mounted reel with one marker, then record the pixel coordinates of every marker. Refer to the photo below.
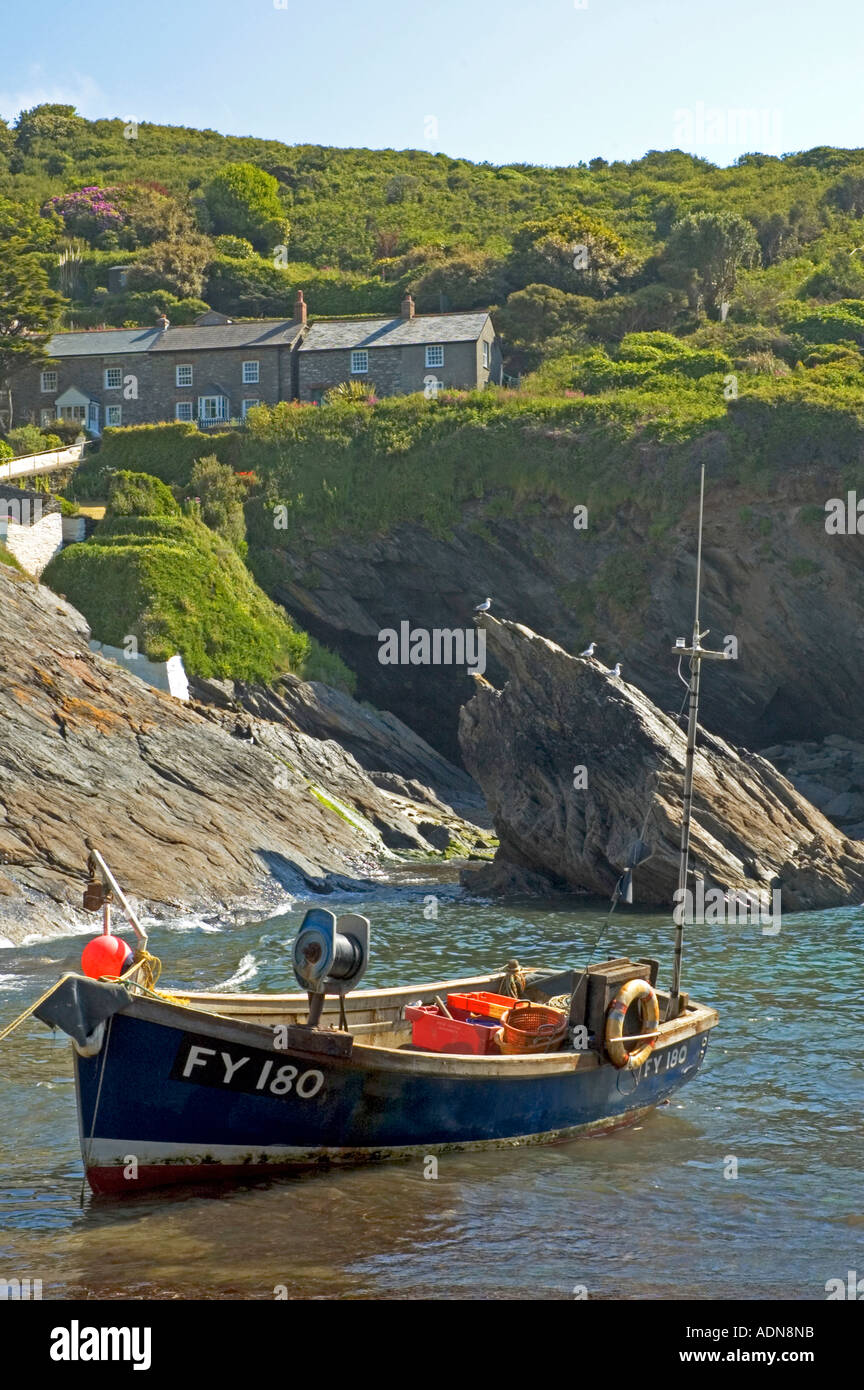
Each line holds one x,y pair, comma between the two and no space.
329,956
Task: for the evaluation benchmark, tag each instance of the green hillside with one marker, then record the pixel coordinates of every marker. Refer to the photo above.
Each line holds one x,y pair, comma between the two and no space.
163,577
240,224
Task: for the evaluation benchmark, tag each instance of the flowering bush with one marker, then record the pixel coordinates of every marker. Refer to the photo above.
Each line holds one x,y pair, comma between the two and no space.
87,212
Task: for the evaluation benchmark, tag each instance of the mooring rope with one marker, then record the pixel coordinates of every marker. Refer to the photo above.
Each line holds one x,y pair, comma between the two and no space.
22,1018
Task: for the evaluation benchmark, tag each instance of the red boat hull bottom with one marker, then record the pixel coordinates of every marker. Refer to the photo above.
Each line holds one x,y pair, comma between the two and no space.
122,1179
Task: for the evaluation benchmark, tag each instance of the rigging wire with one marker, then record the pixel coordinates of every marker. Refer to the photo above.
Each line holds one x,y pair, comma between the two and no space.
616,894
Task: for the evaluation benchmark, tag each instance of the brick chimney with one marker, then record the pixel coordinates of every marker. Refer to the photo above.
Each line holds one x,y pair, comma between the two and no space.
407,307
300,308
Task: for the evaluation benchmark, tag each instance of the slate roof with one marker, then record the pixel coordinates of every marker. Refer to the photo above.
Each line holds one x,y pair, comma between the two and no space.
102,342
321,337
398,332
260,334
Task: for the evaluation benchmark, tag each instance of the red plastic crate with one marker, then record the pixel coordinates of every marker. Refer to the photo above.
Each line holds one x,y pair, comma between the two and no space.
492,1005
431,1031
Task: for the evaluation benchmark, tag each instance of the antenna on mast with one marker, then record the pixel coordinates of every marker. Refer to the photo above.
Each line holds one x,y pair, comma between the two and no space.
697,654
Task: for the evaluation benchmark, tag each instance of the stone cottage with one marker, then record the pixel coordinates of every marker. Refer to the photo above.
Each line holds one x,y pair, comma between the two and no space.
217,369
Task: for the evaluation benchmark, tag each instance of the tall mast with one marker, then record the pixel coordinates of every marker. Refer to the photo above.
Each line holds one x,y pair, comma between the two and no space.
697,654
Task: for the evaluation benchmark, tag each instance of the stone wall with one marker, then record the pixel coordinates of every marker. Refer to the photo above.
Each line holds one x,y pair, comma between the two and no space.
394,371
33,546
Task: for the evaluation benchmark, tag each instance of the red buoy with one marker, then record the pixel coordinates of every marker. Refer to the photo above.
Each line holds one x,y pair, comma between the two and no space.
105,955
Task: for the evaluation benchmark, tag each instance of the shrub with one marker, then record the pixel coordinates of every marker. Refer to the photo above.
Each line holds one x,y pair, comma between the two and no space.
177,587
139,494
29,439
220,494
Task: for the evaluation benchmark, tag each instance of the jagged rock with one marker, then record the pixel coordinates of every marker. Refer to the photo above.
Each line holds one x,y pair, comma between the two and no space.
193,807
799,668
380,742
556,713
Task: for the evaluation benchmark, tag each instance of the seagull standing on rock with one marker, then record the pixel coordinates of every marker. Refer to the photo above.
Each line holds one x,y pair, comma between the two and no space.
589,650
483,607
616,674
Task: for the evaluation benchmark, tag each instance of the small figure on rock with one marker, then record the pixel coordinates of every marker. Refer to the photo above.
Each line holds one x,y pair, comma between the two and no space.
616,674
589,650
483,607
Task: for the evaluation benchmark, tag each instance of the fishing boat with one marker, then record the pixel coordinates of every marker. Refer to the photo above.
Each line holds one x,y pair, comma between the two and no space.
201,1086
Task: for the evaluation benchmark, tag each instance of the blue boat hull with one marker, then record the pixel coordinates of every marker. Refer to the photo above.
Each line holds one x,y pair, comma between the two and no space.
173,1099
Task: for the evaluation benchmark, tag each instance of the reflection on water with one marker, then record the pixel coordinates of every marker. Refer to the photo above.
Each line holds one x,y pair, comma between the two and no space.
641,1213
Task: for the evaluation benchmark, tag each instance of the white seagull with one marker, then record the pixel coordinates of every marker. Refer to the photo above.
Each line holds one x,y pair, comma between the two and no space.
589,650
617,672
483,607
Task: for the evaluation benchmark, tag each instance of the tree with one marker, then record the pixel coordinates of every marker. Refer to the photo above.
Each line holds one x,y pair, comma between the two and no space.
44,130
220,493
244,201
539,312
178,266
703,254
465,282
574,252
28,310
152,216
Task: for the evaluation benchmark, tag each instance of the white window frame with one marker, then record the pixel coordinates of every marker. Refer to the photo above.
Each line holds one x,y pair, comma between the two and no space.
251,373
48,381
247,406
221,412
487,354
186,381
46,417
435,355
112,411
360,355
112,385
184,405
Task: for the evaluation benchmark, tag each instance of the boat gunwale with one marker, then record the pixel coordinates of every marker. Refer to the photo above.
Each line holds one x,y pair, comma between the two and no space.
699,1018
355,1002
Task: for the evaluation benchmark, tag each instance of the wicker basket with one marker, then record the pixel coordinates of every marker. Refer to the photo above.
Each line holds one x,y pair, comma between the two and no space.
532,1028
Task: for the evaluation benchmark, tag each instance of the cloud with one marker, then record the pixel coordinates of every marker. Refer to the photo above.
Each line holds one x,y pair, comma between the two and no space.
78,90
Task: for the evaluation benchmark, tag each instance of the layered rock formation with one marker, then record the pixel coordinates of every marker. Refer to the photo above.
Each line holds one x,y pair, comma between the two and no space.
772,577
194,807
556,714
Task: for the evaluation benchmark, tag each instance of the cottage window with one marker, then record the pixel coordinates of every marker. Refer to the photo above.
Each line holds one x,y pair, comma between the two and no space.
183,376
250,373
435,355
212,408
113,378
183,410
46,417
73,412
249,405
49,381
485,353
113,415
359,363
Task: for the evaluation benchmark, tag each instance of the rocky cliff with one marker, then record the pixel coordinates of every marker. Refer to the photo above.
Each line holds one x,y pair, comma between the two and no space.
571,758
788,592
194,806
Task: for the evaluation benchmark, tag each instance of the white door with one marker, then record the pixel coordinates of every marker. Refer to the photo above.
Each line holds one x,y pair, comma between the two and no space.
93,417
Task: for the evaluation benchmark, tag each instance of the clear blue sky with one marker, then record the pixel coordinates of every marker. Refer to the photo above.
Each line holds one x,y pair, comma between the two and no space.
538,81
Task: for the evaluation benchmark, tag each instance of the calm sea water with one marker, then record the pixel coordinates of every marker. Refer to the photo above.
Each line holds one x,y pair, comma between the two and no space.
645,1213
